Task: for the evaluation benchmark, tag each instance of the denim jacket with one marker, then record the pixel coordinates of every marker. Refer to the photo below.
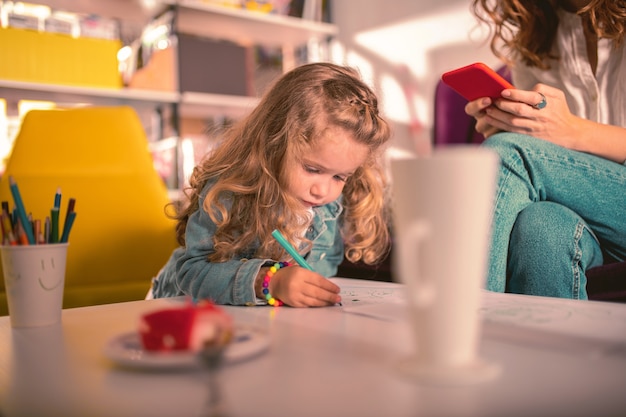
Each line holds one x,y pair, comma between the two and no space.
189,272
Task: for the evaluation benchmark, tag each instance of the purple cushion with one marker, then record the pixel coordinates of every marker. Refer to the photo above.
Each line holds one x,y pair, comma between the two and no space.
451,125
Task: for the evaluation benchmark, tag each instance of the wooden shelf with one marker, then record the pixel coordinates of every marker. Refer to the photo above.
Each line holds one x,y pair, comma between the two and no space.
139,12
247,27
73,94
204,19
198,105
195,105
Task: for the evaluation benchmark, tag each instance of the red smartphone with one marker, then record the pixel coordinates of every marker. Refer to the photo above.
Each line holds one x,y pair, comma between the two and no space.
475,81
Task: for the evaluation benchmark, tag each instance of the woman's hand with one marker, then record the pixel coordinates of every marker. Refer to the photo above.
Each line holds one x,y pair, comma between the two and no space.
516,112
299,287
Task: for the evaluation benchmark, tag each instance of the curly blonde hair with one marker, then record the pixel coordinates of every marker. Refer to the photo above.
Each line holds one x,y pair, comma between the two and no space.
526,29
250,168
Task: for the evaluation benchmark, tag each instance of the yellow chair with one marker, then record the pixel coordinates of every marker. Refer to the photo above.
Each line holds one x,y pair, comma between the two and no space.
100,157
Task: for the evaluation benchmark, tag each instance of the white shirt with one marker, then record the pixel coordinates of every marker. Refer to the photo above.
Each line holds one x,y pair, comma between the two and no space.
601,97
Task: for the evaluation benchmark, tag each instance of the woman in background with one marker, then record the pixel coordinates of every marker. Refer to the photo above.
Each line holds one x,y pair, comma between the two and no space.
561,135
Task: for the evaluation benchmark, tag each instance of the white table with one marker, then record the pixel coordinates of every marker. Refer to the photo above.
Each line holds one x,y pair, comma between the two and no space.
558,358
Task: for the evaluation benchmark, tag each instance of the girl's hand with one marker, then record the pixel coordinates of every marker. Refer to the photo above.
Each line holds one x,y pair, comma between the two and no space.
299,287
516,112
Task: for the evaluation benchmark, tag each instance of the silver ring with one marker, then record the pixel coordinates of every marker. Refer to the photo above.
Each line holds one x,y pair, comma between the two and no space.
543,103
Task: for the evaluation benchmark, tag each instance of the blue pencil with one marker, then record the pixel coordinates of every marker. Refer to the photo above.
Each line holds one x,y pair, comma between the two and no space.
21,211
57,198
291,250
68,226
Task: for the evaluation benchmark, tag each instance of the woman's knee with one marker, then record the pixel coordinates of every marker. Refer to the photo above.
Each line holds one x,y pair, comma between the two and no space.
550,248
544,225
541,218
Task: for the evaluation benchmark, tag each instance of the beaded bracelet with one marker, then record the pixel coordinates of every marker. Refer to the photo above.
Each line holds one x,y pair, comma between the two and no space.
266,283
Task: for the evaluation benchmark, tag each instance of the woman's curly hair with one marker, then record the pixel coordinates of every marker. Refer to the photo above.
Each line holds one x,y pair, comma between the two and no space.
526,29
249,169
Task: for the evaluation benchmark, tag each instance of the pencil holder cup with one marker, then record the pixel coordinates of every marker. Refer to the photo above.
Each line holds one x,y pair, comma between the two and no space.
34,278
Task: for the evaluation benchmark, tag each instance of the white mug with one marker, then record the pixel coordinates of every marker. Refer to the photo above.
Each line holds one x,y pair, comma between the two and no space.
442,211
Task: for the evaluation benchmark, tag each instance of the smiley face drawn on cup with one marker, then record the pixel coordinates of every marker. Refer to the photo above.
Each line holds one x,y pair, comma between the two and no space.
44,268
44,279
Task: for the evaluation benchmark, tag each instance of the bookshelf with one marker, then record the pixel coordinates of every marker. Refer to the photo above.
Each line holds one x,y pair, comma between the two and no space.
243,27
203,19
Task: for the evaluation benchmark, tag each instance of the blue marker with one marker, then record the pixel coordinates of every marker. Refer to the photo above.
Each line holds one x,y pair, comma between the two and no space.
291,250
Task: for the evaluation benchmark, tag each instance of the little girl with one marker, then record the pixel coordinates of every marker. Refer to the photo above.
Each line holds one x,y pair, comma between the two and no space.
306,161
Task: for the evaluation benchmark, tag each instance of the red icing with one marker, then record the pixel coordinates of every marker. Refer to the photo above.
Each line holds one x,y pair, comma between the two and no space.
173,329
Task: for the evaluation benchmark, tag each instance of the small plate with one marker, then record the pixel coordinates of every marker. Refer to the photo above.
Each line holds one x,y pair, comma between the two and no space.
127,350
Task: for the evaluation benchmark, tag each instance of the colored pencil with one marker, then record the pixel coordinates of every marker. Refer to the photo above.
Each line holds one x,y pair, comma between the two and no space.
70,208
54,225
21,211
57,198
291,250
68,226
46,230
7,229
21,233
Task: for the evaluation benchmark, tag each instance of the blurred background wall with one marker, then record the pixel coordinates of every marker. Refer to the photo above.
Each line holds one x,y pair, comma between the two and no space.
402,47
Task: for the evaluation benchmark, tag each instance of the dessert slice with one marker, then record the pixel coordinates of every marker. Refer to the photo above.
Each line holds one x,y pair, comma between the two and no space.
191,327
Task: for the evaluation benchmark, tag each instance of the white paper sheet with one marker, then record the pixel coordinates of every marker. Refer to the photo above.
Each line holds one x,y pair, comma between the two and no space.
589,327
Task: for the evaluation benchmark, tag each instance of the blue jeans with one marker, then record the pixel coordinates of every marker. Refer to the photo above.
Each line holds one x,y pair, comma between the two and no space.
555,211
